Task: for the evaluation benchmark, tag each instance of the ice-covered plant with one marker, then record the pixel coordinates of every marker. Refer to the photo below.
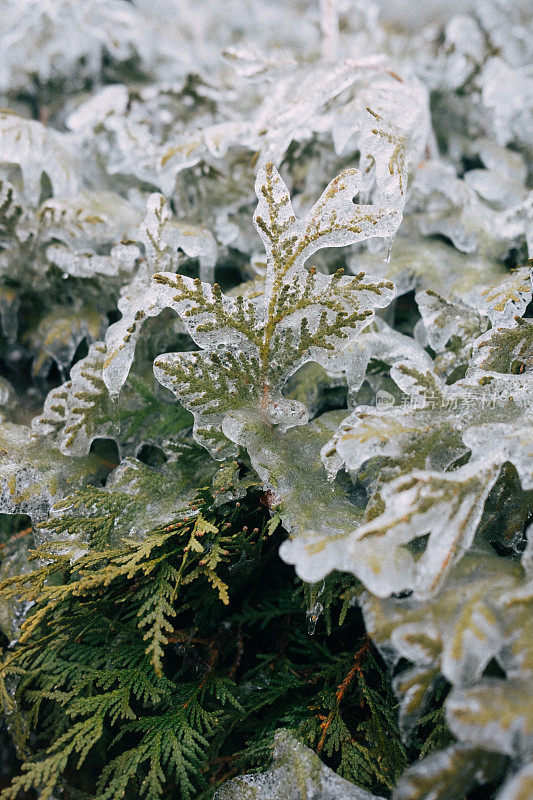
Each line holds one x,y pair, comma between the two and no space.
266,460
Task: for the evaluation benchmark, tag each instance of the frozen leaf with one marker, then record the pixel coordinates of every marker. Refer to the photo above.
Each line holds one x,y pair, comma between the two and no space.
392,137
506,349
450,328
394,142
67,40
448,774
136,499
418,262
461,629
83,265
289,467
506,91
78,410
334,221
14,562
81,410
60,332
385,346
33,476
495,714
400,432
87,223
410,496
407,433
251,347
10,210
296,774
414,687
443,203
162,237
189,149
122,336
507,299
447,506
509,442
110,100
37,150
300,102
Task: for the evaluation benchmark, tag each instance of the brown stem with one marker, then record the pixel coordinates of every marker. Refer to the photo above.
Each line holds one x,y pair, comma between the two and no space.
341,691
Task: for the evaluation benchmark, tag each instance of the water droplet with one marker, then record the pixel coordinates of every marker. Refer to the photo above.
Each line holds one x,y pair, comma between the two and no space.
312,617
315,611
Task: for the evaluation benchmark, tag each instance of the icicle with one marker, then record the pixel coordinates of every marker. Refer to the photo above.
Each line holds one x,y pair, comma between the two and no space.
315,611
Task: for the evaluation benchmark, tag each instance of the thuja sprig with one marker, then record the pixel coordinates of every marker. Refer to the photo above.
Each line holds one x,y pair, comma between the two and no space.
250,347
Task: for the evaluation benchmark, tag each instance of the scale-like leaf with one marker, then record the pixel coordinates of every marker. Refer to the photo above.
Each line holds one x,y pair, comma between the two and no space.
33,477
506,349
251,347
81,410
161,237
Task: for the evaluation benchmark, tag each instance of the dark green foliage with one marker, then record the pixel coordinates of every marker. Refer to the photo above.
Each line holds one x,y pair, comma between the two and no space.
431,732
165,666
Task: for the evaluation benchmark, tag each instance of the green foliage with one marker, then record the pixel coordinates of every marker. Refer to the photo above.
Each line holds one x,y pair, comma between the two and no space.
140,662
252,346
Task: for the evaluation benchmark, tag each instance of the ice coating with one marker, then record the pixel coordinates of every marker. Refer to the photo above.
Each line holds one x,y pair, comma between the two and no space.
444,319
420,262
37,149
296,774
135,305
73,410
69,34
122,509
333,221
509,298
444,770
81,410
518,785
494,714
443,203
433,458
34,477
512,443
162,237
507,349
450,328
88,221
59,334
459,633
252,346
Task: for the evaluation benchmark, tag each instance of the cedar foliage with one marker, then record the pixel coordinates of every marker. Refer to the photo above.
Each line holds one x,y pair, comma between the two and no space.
159,667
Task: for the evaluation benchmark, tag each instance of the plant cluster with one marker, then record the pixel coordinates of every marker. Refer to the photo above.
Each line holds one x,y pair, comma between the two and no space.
266,444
